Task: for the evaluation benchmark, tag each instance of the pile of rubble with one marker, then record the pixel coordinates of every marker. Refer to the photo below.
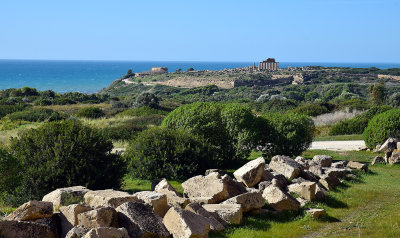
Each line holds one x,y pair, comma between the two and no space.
391,148
210,202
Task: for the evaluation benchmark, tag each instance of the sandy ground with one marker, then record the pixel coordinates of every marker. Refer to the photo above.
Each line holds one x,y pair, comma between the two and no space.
337,145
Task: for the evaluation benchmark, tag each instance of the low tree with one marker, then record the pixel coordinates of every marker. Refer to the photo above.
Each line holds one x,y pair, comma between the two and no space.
147,99
377,93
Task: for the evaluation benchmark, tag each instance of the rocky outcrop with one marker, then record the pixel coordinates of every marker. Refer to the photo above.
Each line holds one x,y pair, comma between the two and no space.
186,224
100,217
69,216
251,173
358,165
108,198
32,210
23,229
215,225
102,232
322,160
157,201
280,200
76,232
329,182
140,220
66,196
248,201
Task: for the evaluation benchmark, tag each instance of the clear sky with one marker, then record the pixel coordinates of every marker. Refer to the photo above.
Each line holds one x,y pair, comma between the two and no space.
205,30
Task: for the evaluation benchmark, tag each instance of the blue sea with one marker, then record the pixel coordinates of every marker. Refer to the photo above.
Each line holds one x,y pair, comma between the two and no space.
92,76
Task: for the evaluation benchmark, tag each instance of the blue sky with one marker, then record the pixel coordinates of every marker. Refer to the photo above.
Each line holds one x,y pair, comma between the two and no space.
217,30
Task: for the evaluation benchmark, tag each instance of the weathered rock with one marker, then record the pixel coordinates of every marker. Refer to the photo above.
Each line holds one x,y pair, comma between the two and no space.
157,200
316,213
320,193
285,166
303,202
351,176
108,198
183,223
280,200
293,188
215,225
100,217
69,216
316,170
322,160
302,161
307,190
140,220
233,187
202,200
329,182
263,185
395,158
230,213
378,160
66,196
307,175
248,201
250,173
76,232
267,176
206,186
51,222
339,164
109,232
165,187
279,180
299,180
175,201
32,210
357,165
24,229
338,173
209,171
389,145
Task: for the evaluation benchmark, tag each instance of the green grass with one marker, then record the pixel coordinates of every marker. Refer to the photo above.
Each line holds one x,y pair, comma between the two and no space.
338,138
137,185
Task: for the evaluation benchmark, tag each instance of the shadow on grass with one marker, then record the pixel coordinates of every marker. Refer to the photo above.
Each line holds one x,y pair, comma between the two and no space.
332,202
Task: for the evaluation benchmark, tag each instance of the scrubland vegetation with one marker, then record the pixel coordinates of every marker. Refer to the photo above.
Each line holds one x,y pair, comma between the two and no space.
50,140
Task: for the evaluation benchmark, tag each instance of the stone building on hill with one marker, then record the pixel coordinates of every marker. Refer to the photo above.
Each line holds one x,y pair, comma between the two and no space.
268,64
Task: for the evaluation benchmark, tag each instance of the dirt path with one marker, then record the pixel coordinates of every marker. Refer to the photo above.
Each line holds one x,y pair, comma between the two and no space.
337,145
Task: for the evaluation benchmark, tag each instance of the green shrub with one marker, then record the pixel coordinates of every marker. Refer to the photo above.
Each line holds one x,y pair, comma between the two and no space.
8,109
313,109
168,153
36,115
279,105
10,172
231,129
90,112
147,99
357,124
381,127
141,111
62,154
122,132
294,132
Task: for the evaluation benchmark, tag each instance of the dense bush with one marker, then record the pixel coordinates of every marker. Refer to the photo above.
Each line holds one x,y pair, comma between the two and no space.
381,127
231,129
279,105
357,124
169,153
141,111
36,115
8,109
10,174
122,132
294,132
313,109
90,112
394,100
147,99
62,154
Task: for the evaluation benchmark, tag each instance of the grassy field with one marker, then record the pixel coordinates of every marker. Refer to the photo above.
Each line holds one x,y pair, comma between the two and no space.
338,138
366,207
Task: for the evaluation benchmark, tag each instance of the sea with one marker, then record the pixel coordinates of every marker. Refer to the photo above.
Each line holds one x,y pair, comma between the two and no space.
91,76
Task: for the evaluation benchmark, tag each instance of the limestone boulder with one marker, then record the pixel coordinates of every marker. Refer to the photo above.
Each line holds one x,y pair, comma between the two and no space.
230,213
52,223
251,173
303,202
32,210
109,232
100,217
279,180
263,185
339,164
307,175
395,158
24,229
234,187
279,199
322,160
175,201
248,201
165,187
157,200
76,232
338,173
389,145
215,225
316,170
329,182
316,213
108,198
202,200
378,160
307,190
210,186
358,165
320,193
267,176
140,220
209,171
303,162
285,166
69,216
66,196
186,224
